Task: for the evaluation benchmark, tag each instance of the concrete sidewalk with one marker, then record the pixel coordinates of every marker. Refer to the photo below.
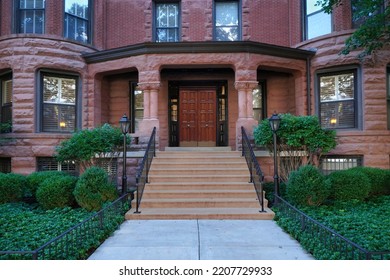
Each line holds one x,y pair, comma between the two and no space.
200,240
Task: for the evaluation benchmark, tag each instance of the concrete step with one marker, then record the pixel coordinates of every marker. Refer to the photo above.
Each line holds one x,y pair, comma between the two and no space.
201,213
208,202
194,193
201,186
199,178
190,165
155,171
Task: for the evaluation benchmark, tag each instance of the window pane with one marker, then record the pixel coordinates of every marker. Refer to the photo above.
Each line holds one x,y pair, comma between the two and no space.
77,20
77,7
32,21
338,114
226,33
6,92
58,118
318,24
68,91
334,163
226,14
51,89
337,87
138,107
5,165
32,4
47,164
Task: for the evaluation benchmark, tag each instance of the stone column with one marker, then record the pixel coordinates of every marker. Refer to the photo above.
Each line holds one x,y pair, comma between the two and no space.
150,120
245,109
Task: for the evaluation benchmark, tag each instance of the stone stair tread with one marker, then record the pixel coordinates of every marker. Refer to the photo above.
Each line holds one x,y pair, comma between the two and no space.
201,213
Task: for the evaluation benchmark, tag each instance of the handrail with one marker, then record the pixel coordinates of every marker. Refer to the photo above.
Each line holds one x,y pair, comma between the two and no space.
142,176
256,175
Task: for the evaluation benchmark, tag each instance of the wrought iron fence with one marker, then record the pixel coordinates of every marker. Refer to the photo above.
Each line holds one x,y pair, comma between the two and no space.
320,240
142,177
256,175
78,241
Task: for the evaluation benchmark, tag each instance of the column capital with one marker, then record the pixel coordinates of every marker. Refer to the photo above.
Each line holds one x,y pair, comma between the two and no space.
149,85
246,85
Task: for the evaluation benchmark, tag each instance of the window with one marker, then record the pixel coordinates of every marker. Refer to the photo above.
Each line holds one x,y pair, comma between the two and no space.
388,98
338,98
317,22
51,164
6,103
137,107
5,165
258,101
30,16
77,25
227,21
167,22
329,164
110,165
59,100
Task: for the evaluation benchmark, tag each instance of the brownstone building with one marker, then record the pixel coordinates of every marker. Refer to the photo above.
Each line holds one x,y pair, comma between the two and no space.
197,70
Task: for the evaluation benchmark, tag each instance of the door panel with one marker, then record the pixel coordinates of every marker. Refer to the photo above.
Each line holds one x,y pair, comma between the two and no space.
197,117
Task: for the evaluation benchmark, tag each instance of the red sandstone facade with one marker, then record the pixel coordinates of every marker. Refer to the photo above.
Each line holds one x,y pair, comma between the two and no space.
121,52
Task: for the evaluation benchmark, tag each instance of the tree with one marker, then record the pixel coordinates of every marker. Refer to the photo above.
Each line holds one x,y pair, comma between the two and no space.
300,139
87,146
374,30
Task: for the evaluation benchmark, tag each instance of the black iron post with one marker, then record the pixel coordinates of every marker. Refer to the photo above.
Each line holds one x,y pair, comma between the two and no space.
274,122
125,124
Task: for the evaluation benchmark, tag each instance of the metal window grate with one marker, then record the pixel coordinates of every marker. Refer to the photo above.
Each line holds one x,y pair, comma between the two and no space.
5,165
330,164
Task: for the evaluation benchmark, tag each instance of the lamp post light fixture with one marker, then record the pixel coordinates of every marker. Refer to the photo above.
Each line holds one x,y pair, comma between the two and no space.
125,124
274,122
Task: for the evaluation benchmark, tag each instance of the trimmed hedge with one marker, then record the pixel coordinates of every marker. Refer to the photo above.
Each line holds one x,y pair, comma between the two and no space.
93,189
56,191
307,186
35,179
12,187
379,179
350,184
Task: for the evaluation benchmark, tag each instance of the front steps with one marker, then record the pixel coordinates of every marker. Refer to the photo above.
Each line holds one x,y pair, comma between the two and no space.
199,183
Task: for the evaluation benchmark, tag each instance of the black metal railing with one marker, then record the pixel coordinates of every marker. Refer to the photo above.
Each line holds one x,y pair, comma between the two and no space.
78,241
319,239
142,177
256,175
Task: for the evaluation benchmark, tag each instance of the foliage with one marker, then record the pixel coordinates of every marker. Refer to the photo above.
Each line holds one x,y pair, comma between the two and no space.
307,186
374,32
300,139
93,189
350,184
366,224
379,179
56,191
35,179
5,127
12,187
85,146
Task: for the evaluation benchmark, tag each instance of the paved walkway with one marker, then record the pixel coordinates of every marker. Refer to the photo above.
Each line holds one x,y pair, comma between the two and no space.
200,240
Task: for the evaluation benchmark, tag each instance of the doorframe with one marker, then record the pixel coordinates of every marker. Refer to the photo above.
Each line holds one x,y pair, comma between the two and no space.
222,119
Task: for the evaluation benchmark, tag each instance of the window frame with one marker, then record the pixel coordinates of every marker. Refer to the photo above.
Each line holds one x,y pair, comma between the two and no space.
133,109
89,23
71,168
388,96
156,3
357,100
239,16
6,77
263,109
40,100
5,165
306,21
18,18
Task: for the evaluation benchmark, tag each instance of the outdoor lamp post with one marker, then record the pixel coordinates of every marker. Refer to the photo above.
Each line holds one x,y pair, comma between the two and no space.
125,124
274,122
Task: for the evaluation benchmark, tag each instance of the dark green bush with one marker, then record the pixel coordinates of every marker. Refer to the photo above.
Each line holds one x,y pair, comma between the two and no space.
378,179
350,184
56,191
12,187
307,186
36,178
93,189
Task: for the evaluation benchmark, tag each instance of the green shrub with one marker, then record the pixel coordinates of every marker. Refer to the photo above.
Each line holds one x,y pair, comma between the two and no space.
93,189
56,191
307,186
35,179
378,178
350,184
12,187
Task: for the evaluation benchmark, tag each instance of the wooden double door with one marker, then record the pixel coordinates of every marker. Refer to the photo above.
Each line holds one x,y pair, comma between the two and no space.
197,117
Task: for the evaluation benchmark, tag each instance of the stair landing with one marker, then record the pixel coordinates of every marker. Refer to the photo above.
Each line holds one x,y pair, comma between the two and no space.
199,183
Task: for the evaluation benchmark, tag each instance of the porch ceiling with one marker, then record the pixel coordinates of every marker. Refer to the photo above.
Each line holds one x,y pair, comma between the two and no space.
197,47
